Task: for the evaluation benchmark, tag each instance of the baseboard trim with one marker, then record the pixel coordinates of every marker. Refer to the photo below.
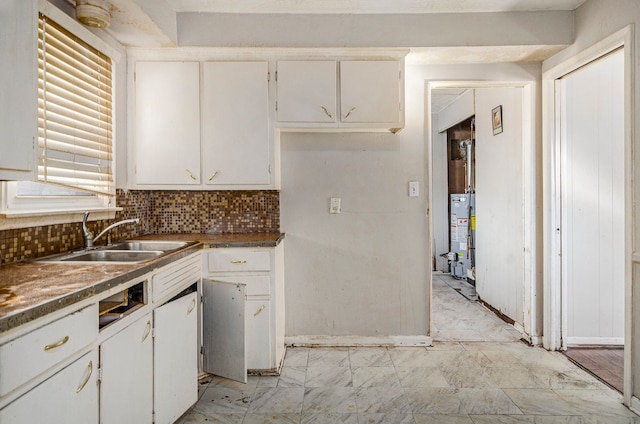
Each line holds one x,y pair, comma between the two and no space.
357,341
598,341
536,340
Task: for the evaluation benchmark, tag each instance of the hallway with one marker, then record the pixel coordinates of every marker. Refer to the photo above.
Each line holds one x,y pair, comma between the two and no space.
460,380
455,318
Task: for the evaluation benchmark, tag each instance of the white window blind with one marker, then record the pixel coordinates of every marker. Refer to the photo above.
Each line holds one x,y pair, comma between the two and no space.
74,112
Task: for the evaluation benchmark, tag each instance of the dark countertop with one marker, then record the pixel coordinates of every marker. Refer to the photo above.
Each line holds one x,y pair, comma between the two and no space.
222,240
31,289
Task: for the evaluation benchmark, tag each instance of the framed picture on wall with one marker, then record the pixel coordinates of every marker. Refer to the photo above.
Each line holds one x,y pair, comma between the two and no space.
496,119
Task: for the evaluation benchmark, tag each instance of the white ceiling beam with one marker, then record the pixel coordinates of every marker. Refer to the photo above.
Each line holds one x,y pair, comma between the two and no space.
360,30
370,6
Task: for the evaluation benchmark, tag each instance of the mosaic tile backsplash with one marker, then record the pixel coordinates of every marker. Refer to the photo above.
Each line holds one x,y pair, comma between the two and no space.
160,212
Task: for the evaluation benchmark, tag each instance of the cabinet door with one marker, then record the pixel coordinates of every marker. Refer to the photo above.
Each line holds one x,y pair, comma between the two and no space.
167,123
175,358
307,91
70,397
223,329
19,88
258,328
370,91
126,387
235,115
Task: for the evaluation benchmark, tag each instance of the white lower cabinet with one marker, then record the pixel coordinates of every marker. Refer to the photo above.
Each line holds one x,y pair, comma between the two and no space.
70,397
243,311
143,367
175,358
37,351
126,386
224,330
257,318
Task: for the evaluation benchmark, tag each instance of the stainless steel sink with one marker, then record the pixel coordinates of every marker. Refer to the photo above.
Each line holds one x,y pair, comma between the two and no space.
147,245
130,251
112,256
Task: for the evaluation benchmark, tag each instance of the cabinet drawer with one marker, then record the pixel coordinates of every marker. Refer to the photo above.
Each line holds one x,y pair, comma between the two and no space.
70,396
255,285
239,260
27,356
174,276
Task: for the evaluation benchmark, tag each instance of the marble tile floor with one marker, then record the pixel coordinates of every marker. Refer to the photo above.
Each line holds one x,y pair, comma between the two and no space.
460,285
500,381
455,318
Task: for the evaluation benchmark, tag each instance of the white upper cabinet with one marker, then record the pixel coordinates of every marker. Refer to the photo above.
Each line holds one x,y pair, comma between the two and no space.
370,91
342,95
19,88
201,125
235,124
167,123
307,91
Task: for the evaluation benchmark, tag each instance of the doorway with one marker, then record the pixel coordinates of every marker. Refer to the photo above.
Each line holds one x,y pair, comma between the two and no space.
592,191
588,207
503,275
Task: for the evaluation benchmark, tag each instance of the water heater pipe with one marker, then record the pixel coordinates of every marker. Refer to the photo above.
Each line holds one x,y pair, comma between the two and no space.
471,184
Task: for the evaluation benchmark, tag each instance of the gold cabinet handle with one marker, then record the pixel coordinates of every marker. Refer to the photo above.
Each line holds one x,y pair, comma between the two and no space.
190,174
57,344
349,113
238,262
147,331
192,307
327,112
213,175
259,310
84,383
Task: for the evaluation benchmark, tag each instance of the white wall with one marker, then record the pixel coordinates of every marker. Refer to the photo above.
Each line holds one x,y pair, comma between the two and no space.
500,202
461,108
366,271
440,194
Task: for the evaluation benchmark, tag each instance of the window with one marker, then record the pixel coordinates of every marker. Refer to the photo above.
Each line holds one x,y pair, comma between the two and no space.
75,128
74,112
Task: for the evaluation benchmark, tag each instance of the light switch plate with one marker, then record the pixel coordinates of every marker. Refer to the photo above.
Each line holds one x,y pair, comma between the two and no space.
335,205
414,189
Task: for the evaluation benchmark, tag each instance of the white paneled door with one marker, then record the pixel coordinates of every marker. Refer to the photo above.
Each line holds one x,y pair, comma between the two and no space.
592,174
500,199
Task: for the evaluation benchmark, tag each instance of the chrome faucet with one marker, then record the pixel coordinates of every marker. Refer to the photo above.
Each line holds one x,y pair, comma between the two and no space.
88,235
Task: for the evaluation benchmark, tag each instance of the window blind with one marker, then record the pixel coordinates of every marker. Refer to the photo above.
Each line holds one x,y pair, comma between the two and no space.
74,112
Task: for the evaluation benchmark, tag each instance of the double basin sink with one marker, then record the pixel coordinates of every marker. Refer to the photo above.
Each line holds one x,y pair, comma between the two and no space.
131,251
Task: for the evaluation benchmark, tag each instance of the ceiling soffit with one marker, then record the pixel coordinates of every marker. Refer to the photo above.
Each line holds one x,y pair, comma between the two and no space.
135,24
369,6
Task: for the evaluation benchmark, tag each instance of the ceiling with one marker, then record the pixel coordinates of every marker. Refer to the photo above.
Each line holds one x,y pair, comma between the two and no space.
443,97
369,6
135,22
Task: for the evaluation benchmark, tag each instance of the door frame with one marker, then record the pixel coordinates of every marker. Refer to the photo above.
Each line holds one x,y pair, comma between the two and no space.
530,174
554,304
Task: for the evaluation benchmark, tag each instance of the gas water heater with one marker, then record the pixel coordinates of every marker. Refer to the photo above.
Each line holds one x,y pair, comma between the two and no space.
462,235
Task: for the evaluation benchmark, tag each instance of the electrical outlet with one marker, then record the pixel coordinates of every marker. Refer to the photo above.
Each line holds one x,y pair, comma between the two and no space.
414,190
335,205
